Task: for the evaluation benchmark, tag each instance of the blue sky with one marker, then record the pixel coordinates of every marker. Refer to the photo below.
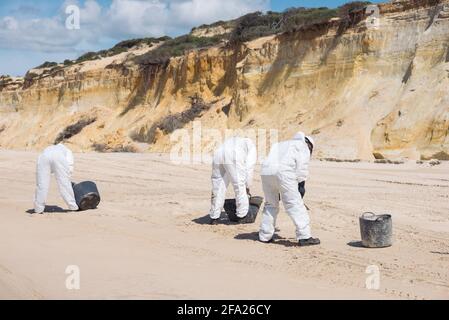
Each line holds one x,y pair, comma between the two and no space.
32,32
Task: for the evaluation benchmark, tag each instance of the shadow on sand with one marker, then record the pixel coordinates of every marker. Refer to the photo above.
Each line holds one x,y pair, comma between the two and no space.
356,244
224,220
277,240
50,209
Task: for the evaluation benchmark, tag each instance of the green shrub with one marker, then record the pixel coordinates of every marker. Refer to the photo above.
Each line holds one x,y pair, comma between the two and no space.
29,79
87,56
104,148
47,64
220,23
302,18
173,122
54,69
257,24
128,44
119,48
347,8
4,80
30,75
177,47
74,129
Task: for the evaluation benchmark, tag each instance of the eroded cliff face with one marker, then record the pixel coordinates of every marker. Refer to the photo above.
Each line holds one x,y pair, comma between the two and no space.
361,91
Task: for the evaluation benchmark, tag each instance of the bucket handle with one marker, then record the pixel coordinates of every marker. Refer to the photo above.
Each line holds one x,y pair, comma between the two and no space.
372,214
379,218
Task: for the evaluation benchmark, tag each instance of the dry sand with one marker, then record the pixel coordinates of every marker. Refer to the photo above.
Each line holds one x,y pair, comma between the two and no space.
146,242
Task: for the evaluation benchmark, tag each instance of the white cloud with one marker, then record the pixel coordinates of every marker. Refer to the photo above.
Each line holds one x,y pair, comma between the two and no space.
122,19
165,17
45,35
136,18
194,12
91,12
9,23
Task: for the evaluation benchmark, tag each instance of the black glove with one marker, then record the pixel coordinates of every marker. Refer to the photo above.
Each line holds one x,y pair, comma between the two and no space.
302,189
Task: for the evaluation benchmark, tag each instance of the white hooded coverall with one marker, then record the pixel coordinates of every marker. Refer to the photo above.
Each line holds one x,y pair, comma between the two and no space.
286,167
57,160
233,162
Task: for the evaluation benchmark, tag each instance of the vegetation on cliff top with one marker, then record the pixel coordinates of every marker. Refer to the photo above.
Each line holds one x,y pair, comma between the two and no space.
221,23
47,64
117,49
257,24
246,28
120,48
249,27
177,47
4,80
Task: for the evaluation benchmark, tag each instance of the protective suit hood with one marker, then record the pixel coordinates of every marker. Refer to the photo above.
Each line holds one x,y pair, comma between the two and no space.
311,140
299,136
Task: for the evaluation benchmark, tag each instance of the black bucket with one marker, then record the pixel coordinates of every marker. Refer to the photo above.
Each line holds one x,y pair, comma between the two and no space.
86,195
254,206
376,230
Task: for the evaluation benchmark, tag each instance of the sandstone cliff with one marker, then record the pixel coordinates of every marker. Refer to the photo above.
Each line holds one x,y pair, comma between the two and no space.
362,91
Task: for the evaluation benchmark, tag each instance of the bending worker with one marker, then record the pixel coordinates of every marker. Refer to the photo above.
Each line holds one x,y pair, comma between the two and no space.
234,162
57,160
283,173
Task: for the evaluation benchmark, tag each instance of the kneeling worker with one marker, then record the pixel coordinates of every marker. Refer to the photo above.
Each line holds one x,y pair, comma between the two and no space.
234,162
285,168
57,160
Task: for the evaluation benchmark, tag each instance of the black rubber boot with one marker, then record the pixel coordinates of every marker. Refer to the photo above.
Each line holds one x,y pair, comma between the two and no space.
214,222
309,242
250,217
243,220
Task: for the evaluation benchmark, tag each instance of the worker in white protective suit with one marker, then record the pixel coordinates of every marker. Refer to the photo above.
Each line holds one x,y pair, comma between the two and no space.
57,160
286,168
233,162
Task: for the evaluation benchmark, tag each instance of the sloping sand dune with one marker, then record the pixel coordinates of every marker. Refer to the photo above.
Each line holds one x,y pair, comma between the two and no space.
148,238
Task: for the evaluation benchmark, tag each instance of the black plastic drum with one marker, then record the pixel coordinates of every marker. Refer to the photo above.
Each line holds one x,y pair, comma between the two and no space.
86,195
254,206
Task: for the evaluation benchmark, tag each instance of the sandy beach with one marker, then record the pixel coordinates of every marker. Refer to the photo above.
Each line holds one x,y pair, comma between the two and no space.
148,239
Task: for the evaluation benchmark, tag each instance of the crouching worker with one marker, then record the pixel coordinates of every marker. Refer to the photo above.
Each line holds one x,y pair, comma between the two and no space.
283,173
57,160
233,162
